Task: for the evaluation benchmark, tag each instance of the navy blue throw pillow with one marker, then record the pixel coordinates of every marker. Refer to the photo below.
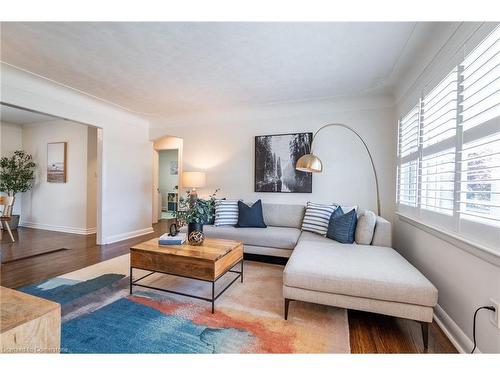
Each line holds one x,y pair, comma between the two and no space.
338,212
342,227
250,217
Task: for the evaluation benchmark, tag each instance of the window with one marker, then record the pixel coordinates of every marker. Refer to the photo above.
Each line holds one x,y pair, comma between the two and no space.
439,123
408,150
481,83
438,179
439,111
449,148
409,133
480,185
408,183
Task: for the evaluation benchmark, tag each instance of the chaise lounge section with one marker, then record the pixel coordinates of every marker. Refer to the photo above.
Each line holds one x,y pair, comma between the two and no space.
359,277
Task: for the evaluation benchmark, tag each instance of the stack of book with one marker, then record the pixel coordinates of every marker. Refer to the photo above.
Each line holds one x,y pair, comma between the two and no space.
167,239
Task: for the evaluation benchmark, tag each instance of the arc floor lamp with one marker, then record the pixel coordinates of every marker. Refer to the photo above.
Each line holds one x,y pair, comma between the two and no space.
311,163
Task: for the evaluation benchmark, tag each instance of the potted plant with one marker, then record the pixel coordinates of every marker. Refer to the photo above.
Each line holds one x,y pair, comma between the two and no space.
17,173
195,212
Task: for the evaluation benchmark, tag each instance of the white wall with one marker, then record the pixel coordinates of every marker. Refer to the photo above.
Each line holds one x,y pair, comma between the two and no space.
464,280
11,138
10,141
125,204
222,144
92,180
59,206
167,181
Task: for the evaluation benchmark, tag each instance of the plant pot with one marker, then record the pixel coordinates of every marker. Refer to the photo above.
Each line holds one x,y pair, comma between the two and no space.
195,227
13,223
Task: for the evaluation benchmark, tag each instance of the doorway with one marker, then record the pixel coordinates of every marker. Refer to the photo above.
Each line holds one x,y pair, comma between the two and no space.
167,170
168,183
60,209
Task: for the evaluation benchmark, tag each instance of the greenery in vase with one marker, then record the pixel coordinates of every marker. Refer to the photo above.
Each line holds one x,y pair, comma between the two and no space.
17,173
195,211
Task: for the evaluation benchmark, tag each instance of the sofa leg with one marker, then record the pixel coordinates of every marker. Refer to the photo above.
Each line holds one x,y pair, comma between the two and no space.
425,333
287,304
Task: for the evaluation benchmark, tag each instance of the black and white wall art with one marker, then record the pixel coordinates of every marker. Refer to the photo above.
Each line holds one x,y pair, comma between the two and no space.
275,159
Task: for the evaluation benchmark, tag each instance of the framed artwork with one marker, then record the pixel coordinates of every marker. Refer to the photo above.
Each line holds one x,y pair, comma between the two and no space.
174,167
56,162
275,159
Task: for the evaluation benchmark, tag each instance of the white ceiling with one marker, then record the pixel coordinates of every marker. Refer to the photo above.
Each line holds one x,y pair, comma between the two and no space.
21,117
167,68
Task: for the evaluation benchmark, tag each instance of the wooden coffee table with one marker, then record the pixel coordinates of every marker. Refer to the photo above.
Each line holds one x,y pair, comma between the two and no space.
208,262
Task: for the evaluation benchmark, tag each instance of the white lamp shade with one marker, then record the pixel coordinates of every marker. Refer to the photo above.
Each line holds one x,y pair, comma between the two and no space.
194,179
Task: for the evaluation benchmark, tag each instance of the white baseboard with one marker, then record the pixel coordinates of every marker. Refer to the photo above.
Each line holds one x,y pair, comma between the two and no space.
454,333
127,235
58,228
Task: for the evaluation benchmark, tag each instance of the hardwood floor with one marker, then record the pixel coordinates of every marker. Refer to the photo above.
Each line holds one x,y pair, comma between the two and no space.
374,333
38,255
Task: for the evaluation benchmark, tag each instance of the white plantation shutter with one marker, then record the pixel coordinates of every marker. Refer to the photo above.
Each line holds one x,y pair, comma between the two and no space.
481,83
439,111
438,180
479,194
408,134
408,154
480,184
439,124
407,182
449,160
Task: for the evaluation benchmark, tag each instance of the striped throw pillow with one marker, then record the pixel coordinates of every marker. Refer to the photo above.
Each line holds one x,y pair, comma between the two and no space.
226,212
317,217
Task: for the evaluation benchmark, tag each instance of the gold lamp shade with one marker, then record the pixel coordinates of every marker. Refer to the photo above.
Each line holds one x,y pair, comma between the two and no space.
309,163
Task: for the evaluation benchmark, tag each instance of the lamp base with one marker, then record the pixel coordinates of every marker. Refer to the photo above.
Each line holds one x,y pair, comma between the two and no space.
193,196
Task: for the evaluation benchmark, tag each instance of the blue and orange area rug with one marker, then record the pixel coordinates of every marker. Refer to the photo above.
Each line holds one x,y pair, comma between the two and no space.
99,315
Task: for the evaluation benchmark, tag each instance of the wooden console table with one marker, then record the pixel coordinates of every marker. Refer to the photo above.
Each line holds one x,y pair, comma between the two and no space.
28,324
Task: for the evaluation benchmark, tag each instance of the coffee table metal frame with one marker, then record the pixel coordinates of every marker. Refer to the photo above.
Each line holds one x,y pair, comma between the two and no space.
214,297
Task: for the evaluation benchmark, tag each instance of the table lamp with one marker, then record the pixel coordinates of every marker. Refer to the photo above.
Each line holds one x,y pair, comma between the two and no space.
193,180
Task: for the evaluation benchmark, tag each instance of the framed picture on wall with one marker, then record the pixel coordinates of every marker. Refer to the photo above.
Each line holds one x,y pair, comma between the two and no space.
56,162
174,167
275,159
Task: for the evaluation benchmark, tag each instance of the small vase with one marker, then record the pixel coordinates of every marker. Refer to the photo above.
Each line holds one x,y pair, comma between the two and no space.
196,238
198,227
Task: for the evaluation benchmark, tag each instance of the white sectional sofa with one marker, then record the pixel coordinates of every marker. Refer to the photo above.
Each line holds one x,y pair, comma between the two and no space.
373,278
278,239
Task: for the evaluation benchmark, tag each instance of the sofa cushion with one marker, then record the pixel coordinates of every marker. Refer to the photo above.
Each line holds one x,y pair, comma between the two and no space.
365,228
342,226
250,216
320,264
226,212
278,237
317,217
382,236
211,217
283,215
